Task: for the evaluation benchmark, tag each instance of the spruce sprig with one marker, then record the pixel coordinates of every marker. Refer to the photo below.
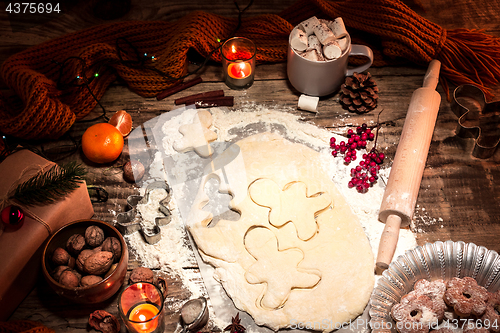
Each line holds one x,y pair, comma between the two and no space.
47,187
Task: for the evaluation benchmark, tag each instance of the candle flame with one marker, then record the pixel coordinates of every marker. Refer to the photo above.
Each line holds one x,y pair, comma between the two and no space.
239,70
233,49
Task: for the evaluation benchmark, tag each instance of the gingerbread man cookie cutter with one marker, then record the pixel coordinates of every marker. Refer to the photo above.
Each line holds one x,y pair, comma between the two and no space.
477,118
130,221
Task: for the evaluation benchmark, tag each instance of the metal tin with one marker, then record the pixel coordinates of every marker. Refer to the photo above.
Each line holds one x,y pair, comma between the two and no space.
129,221
432,261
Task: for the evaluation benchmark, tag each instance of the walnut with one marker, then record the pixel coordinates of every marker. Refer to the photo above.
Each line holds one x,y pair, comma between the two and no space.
69,278
141,274
82,257
94,236
104,322
98,263
56,273
75,243
89,280
60,256
133,171
112,244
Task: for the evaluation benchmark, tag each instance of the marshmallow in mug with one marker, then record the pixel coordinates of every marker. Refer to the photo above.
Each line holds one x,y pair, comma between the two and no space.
319,40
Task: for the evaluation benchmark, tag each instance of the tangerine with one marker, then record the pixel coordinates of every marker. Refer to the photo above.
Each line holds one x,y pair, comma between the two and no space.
102,143
122,121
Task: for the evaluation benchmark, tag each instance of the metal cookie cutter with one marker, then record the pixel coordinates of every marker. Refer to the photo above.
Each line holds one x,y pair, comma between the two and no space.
130,221
477,118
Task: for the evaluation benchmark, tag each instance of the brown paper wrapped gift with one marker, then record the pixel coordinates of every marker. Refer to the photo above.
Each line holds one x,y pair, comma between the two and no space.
21,249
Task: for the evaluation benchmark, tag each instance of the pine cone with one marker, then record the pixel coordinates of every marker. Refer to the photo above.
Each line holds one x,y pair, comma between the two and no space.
359,93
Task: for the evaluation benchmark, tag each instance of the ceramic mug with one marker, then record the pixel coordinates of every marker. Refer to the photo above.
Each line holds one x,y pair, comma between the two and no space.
321,78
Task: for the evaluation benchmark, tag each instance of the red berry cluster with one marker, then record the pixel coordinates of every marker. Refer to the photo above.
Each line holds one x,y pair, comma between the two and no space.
364,174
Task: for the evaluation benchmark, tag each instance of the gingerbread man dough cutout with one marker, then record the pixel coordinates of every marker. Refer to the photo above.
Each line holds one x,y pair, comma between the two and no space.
290,205
197,135
277,269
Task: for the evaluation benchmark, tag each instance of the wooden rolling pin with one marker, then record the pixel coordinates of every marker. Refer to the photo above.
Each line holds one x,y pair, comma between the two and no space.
398,203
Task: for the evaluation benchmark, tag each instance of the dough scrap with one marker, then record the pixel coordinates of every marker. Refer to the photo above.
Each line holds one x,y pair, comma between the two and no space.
272,265
290,205
197,135
339,253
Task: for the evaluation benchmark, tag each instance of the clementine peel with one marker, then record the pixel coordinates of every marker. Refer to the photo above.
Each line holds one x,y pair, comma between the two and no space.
122,121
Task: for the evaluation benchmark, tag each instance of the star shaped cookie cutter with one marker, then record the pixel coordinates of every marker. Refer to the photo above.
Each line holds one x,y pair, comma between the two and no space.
477,118
130,221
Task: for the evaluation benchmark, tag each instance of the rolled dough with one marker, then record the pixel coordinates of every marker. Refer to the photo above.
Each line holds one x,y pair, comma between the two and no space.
197,135
297,254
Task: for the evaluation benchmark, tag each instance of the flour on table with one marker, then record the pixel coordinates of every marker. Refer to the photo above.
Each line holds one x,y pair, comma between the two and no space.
424,219
172,254
172,135
149,210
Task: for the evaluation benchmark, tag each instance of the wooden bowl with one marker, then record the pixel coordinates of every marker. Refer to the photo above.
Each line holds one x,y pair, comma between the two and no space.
95,293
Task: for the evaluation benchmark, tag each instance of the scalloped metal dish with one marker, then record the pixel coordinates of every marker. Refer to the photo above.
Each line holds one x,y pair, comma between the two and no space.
439,260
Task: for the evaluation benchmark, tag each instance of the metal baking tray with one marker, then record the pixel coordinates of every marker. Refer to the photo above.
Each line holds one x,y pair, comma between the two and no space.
432,261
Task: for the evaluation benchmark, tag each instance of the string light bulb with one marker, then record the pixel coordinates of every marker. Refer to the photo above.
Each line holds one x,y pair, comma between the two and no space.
153,58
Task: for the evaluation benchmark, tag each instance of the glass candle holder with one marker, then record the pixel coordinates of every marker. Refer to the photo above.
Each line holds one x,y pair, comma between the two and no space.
238,62
141,308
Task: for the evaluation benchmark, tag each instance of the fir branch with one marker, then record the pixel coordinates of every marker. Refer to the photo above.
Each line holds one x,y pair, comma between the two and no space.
47,187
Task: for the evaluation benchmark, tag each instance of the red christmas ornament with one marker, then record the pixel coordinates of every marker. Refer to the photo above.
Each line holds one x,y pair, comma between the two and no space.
13,216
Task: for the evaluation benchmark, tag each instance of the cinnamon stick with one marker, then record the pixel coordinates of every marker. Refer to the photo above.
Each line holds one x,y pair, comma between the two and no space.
179,87
215,101
197,97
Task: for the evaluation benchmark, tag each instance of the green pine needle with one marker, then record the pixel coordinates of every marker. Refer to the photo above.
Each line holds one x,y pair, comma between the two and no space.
47,187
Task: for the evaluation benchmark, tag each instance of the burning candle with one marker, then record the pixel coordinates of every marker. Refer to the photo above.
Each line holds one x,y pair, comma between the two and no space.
141,308
145,317
239,70
238,62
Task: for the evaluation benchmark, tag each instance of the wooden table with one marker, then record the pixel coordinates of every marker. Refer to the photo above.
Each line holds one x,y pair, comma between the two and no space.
459,195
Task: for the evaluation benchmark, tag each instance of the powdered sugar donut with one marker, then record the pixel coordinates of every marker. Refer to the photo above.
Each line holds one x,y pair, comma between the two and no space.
491,316
435,291
466,296
414,314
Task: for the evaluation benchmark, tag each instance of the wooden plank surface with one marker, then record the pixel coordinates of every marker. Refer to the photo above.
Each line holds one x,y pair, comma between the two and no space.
459,194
